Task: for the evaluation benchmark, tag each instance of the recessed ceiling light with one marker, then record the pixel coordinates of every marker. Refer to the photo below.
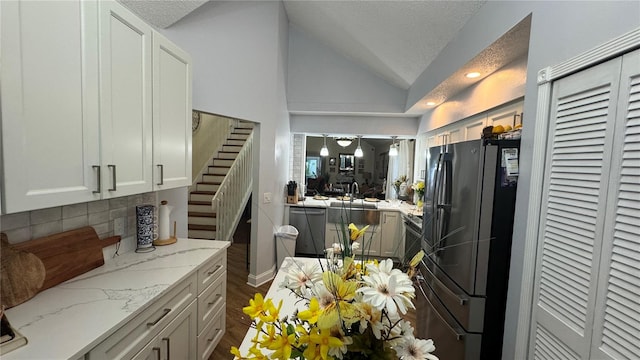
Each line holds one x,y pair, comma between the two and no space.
472,75
430,103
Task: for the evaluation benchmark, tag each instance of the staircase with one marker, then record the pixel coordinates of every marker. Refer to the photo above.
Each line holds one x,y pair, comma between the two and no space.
204,221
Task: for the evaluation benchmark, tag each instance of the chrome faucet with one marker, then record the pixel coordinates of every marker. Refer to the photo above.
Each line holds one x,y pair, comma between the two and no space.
356,190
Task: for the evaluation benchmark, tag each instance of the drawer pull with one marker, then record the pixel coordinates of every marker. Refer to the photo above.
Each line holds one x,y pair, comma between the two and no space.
211,272
168,348
157,351
215,301
166,311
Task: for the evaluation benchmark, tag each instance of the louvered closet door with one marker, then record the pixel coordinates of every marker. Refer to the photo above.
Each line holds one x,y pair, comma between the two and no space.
583,112
617,312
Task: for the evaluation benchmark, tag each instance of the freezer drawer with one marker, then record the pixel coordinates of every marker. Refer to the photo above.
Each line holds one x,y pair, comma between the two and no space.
468,310
452,342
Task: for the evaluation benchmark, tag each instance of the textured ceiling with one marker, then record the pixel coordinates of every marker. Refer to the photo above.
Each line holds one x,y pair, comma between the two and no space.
395,39
162,13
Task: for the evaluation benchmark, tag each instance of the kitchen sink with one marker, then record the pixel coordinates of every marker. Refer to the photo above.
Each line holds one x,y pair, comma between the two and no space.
353,213
356,204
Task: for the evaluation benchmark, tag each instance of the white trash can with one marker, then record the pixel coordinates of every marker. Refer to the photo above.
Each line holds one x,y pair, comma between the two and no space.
285,243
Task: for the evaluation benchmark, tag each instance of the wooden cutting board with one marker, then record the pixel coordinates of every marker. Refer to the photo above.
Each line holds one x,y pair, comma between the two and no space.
67,254
21,274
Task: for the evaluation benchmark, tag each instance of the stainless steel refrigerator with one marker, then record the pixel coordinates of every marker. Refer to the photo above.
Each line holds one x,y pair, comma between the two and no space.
467,226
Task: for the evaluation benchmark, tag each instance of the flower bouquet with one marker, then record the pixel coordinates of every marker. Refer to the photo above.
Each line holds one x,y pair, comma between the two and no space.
419,189
353,309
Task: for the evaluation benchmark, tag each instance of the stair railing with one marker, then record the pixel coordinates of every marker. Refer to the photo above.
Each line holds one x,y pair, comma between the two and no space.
233,193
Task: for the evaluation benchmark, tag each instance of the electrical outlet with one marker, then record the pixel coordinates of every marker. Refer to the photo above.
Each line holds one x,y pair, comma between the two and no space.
267,198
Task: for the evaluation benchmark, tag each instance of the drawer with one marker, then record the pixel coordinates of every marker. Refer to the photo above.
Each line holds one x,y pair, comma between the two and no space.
211,300
212,333
210,270
135,334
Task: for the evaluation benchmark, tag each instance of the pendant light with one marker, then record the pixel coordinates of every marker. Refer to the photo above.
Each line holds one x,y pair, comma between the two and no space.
358,153
344,141
393,150
324,151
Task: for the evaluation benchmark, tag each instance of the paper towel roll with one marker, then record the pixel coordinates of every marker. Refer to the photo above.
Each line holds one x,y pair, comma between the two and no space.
164,221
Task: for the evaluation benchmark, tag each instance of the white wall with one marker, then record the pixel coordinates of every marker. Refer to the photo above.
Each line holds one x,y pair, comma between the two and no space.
559,31
355,125
239,70
321,79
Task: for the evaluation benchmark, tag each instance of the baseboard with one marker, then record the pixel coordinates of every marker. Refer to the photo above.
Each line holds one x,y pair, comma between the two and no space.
261,279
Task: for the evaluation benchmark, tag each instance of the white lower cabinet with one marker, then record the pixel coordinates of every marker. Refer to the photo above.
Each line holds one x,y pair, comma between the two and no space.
186,323
392,235
174,341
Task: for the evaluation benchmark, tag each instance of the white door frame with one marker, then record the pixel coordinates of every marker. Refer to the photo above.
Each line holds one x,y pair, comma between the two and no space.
546,77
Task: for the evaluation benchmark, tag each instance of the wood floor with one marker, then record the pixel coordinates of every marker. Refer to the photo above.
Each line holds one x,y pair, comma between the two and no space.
238,295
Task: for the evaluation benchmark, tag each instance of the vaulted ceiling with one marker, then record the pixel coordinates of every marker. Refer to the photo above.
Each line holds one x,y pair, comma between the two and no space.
394,39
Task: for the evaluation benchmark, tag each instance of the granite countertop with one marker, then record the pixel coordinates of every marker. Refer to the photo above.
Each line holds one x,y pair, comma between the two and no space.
68,320
386,205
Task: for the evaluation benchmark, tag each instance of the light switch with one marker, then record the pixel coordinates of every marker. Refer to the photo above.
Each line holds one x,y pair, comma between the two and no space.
267,198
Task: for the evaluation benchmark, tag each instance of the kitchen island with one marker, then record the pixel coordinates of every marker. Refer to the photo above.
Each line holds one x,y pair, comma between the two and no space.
71,319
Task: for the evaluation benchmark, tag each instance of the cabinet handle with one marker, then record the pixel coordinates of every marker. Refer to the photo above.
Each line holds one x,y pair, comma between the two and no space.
166,311
168,348
113,176
161,174
157,350
211,272
97,167
213,302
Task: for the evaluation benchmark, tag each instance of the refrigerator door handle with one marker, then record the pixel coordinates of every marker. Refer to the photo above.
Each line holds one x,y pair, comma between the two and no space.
461,300
434,208
459,335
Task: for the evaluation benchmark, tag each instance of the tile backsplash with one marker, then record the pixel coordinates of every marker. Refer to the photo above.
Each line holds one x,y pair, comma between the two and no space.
108,217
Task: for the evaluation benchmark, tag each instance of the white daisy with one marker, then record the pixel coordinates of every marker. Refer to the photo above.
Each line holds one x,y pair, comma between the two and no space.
300,278
390,292
415,349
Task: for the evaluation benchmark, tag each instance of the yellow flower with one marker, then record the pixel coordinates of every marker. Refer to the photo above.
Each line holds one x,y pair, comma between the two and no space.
283,345
254,354
311,315
324,340
270,313
256,306
269,336
355,233
339,307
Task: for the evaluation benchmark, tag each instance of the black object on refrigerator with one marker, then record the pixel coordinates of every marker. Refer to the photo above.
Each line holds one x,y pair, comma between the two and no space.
467,227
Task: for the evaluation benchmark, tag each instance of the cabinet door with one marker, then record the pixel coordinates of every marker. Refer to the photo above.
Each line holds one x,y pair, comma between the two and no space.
176,341
508,115
392,237
125,101
49,103
171,115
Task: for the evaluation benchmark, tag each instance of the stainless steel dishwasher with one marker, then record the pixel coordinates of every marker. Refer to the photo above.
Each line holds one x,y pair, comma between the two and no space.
310,223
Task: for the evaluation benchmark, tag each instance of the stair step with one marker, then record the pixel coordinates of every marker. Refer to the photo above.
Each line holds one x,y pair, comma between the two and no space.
242,130
222,162
204,196
202,234
209,178
235,142
201,214
207,186
219,170
200,206
227,154
238,136
202,227
202,220
231,148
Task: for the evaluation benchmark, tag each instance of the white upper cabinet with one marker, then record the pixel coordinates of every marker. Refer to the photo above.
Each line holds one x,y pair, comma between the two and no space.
510,115
49,103
125,101
171,114
77,93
